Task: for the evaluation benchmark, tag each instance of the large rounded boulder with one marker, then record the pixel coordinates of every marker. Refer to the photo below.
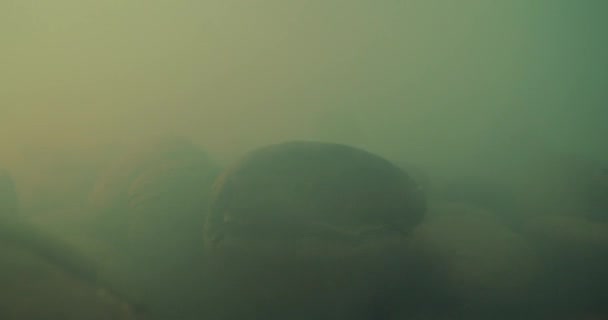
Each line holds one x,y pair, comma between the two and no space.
311,230
313,186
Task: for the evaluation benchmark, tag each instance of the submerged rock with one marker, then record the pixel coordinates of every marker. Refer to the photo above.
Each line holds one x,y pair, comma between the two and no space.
304,230
302,188
44,278
577,251
151,207
479,266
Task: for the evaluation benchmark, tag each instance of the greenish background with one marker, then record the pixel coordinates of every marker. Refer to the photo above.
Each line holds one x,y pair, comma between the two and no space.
425,78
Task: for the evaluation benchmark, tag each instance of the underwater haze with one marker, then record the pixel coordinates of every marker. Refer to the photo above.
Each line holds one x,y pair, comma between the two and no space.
145,143
435,79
